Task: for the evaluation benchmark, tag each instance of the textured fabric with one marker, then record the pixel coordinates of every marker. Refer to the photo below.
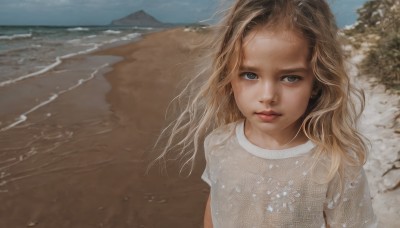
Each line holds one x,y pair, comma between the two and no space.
255,187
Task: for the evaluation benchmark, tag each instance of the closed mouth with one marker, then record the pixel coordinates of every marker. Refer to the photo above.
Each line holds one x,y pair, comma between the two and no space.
269,113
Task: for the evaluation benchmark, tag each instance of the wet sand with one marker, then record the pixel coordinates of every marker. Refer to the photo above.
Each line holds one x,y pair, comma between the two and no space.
80,161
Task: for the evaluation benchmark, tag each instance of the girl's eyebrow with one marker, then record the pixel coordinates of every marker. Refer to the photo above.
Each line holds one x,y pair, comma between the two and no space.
294,69
285,71
247,68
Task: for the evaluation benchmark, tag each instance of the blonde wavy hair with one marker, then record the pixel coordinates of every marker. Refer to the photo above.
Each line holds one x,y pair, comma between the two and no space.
331,118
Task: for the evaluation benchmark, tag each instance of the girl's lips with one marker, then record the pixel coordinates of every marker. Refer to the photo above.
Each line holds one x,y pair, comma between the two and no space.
269,113
268,116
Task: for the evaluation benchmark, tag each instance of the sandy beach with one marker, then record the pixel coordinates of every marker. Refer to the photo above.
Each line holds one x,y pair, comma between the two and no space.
81,160
88,162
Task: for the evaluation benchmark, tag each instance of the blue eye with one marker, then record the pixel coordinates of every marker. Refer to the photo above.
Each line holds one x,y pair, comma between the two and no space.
249,76
291,78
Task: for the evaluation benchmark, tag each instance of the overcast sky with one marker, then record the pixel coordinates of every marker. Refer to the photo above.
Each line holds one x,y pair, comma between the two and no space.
102,12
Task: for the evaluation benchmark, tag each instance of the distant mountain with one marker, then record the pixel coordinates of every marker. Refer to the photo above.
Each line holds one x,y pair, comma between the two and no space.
140,19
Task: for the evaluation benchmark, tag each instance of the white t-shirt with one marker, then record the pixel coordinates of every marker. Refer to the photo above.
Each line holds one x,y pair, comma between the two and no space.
256,187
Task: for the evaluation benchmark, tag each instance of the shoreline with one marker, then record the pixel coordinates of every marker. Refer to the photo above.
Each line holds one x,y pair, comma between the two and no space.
80,161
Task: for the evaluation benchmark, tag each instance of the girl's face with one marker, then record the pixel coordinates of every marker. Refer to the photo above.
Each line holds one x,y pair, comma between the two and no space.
273,86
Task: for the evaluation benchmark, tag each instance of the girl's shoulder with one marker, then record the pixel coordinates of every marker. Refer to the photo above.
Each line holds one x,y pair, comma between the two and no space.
348,173
220,134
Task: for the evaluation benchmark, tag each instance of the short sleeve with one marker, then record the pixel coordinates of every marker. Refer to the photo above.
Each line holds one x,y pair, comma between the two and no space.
352,208
206,174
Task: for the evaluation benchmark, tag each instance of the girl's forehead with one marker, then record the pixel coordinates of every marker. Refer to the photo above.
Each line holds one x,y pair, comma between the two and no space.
283,33
279,37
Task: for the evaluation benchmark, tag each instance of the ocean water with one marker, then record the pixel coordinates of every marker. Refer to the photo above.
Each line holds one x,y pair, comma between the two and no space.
29,52
53,98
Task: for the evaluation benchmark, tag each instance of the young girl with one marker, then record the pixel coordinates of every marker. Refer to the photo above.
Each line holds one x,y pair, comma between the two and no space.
285,151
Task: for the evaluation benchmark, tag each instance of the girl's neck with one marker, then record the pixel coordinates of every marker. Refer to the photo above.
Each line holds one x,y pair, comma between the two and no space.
276,141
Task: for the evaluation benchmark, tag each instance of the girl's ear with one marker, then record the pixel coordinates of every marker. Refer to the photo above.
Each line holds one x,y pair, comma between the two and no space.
313,96
315,90
314,93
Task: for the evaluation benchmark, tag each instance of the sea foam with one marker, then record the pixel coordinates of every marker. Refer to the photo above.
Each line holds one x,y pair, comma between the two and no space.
58,60
16,36
24,116
77,29
111,32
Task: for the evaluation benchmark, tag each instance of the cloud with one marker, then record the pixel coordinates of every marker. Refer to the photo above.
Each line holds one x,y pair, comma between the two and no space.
57,3
34,3
55,12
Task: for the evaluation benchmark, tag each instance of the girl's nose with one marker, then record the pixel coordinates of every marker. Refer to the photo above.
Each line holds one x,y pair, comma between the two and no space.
267,93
